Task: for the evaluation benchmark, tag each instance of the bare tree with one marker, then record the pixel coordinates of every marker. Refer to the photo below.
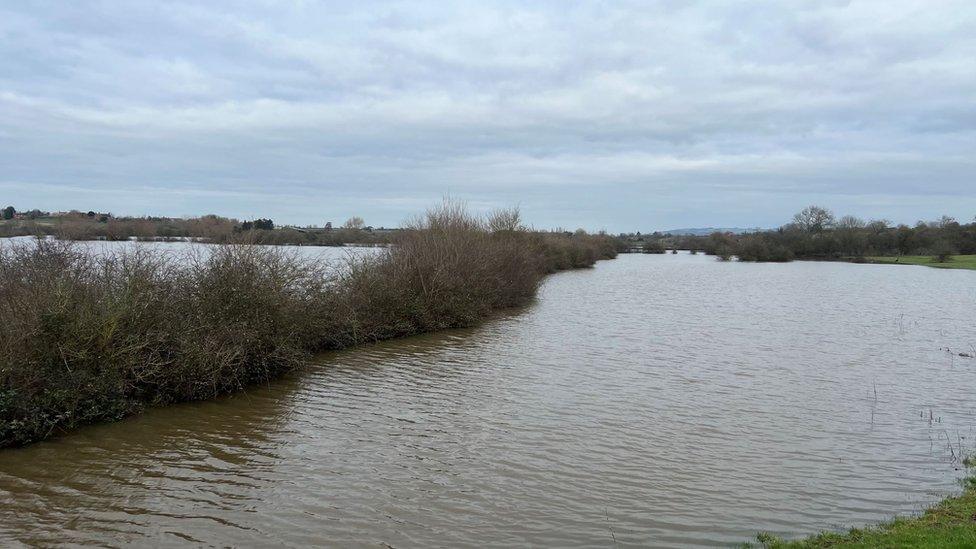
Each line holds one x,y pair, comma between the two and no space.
851,223
879,226
851,235
814,219
505,220
354,222
946,221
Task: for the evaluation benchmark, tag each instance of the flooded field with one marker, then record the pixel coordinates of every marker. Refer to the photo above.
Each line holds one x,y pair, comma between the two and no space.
651,401
180,250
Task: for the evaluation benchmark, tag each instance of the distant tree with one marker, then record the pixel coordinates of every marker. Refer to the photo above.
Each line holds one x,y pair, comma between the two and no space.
258,225
879,226
943,251
851,223
653,247
718,243
946,222
354,222
847,237
9,212
814,219
757,247
851,235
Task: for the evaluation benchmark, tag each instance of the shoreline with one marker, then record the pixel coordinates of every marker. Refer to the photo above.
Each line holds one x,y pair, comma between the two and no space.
948,523
968,263
960,262
90,339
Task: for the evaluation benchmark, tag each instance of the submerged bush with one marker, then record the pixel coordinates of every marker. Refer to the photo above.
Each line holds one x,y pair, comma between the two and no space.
943,252
757,248
89,338
653,247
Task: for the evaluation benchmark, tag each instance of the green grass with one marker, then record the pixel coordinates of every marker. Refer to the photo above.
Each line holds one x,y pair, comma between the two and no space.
951,523
957,262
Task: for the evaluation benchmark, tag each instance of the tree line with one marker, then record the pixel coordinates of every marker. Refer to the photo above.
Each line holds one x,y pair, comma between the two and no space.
816,233
78,225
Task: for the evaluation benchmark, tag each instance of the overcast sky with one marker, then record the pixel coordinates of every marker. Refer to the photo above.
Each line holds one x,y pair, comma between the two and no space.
614,114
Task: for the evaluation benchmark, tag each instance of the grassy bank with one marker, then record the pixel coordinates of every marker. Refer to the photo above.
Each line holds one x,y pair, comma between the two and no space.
92,338
955,262
951,523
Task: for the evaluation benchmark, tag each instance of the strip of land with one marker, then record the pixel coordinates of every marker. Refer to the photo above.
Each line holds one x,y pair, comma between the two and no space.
816,235
951,523
955,262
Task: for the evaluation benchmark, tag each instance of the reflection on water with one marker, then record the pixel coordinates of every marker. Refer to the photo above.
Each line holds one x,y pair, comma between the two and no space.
673,399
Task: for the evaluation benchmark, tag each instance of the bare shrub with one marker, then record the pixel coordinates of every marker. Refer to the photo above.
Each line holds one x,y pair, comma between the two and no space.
89,338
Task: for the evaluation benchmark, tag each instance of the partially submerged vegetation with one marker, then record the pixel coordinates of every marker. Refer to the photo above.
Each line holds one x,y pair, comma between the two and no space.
815,234
653,247
951,523
209,228
90,338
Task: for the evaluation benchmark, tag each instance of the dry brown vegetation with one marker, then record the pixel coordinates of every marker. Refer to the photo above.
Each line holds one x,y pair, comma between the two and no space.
89,338
79,226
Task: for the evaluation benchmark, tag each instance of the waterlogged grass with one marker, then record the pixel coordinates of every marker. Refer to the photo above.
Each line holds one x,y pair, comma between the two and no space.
950,524
956,262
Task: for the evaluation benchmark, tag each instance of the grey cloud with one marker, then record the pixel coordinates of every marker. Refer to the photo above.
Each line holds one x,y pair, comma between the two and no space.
613,114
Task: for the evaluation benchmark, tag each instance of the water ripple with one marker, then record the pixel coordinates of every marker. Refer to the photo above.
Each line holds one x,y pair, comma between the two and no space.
676,400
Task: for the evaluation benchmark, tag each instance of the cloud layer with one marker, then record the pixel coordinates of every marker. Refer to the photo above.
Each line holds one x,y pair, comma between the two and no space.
624,115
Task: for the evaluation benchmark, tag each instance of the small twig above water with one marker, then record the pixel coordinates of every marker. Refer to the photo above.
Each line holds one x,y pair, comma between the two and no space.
612,536
951,450
964,354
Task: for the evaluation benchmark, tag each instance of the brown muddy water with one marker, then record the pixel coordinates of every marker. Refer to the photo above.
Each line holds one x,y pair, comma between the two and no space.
651,401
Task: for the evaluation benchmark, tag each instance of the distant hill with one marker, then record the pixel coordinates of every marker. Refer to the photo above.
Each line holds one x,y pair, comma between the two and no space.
705,231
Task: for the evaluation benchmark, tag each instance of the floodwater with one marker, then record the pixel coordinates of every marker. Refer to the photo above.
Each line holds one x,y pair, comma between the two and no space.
180,250
651,401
